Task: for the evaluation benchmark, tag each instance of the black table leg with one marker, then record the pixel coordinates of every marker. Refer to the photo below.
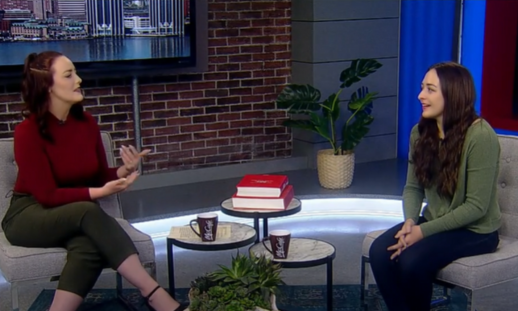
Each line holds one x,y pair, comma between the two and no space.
257,230
265,227
329,284
170,268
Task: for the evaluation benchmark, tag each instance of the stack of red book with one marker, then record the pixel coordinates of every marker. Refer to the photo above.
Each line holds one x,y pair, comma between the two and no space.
263,192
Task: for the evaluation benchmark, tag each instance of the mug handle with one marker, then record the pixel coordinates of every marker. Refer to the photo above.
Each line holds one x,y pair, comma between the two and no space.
192,228
266,247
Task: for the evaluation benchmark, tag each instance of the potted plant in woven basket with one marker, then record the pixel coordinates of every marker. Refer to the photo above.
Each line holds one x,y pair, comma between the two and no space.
249,284
308,111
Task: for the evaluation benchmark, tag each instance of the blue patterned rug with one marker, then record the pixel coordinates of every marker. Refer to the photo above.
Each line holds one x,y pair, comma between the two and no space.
292,298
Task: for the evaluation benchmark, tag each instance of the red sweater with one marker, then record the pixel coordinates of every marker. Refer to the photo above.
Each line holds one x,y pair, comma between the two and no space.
61,172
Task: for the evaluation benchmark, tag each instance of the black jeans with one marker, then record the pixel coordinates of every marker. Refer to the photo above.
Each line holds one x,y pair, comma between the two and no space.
406,283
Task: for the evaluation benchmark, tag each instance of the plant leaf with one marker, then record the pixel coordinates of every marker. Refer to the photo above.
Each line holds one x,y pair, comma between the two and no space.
331,107
353,133
359,68
299,99
316,124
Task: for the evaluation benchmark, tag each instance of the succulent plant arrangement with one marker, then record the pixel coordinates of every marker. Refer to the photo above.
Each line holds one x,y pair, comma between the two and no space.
247,285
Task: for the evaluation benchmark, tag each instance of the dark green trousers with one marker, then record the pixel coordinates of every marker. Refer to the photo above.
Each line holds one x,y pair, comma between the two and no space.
93,239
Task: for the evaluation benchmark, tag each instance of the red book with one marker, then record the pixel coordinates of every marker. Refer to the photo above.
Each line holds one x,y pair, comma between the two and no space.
280,203
262,185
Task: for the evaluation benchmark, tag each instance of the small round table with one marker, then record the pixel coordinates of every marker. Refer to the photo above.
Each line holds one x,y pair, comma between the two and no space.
305,253
241,235
227,208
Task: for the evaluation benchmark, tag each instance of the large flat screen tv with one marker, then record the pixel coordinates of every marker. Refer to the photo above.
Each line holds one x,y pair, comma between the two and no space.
102,37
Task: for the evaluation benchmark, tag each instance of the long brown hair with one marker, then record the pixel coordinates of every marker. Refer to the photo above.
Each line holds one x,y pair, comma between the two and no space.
437,163
36,83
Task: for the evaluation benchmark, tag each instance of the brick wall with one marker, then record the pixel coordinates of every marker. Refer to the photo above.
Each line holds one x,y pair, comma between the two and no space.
223,116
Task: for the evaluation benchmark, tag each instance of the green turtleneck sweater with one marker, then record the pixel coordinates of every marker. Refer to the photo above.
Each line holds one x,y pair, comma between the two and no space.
474,204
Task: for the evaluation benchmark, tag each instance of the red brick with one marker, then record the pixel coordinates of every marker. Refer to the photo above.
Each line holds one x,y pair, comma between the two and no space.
240,24
227,50
268,31
275,64
214,7
282,38
216,126
178,87
239,58
264,90
217,142
194,94
178,121
121,90
276,48
98,91
263,22
203,85
229,133
217,42
192,128
165,114
192,145
252,66
205,135
179,138
253,99
253,115
241,91
282,22
238,6
151,106
239,41
228,32
18,107
179,104
252,49
264,73
167,147
215,76
222,16
265,39
245,32
251,15
237,108
241,123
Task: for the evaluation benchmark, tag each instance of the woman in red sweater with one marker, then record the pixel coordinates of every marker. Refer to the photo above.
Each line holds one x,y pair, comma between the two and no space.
62,171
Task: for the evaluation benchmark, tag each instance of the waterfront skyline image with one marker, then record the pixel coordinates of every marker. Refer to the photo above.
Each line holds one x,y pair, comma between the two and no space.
95,30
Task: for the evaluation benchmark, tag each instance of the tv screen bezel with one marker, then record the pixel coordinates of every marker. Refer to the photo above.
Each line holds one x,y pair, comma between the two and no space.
126,68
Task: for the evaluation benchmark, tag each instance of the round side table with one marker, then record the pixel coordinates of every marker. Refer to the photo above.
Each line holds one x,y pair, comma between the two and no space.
305,253
241,235
227,208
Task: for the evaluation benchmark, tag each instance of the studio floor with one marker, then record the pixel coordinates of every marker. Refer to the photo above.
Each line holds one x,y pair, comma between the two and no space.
340,217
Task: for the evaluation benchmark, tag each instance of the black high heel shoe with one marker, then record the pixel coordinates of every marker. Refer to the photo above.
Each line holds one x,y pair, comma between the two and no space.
146,301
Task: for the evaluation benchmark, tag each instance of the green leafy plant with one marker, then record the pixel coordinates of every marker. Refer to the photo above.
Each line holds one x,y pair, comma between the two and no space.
246,284
321,116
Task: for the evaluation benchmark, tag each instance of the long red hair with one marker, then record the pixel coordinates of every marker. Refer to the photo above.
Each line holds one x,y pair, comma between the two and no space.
37,81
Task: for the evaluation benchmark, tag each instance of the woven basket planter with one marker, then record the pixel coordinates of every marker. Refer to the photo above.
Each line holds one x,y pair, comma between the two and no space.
335,171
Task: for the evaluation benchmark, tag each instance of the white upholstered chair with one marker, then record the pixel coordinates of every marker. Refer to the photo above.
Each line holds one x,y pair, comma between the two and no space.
473,274
19,264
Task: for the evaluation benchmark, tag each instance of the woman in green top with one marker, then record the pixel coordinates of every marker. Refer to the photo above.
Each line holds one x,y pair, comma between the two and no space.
453,162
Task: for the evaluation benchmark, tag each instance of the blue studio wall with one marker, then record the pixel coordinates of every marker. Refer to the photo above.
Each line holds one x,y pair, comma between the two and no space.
426,38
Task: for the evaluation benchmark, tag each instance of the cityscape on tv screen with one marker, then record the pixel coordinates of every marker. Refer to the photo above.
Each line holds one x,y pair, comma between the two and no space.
94,30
